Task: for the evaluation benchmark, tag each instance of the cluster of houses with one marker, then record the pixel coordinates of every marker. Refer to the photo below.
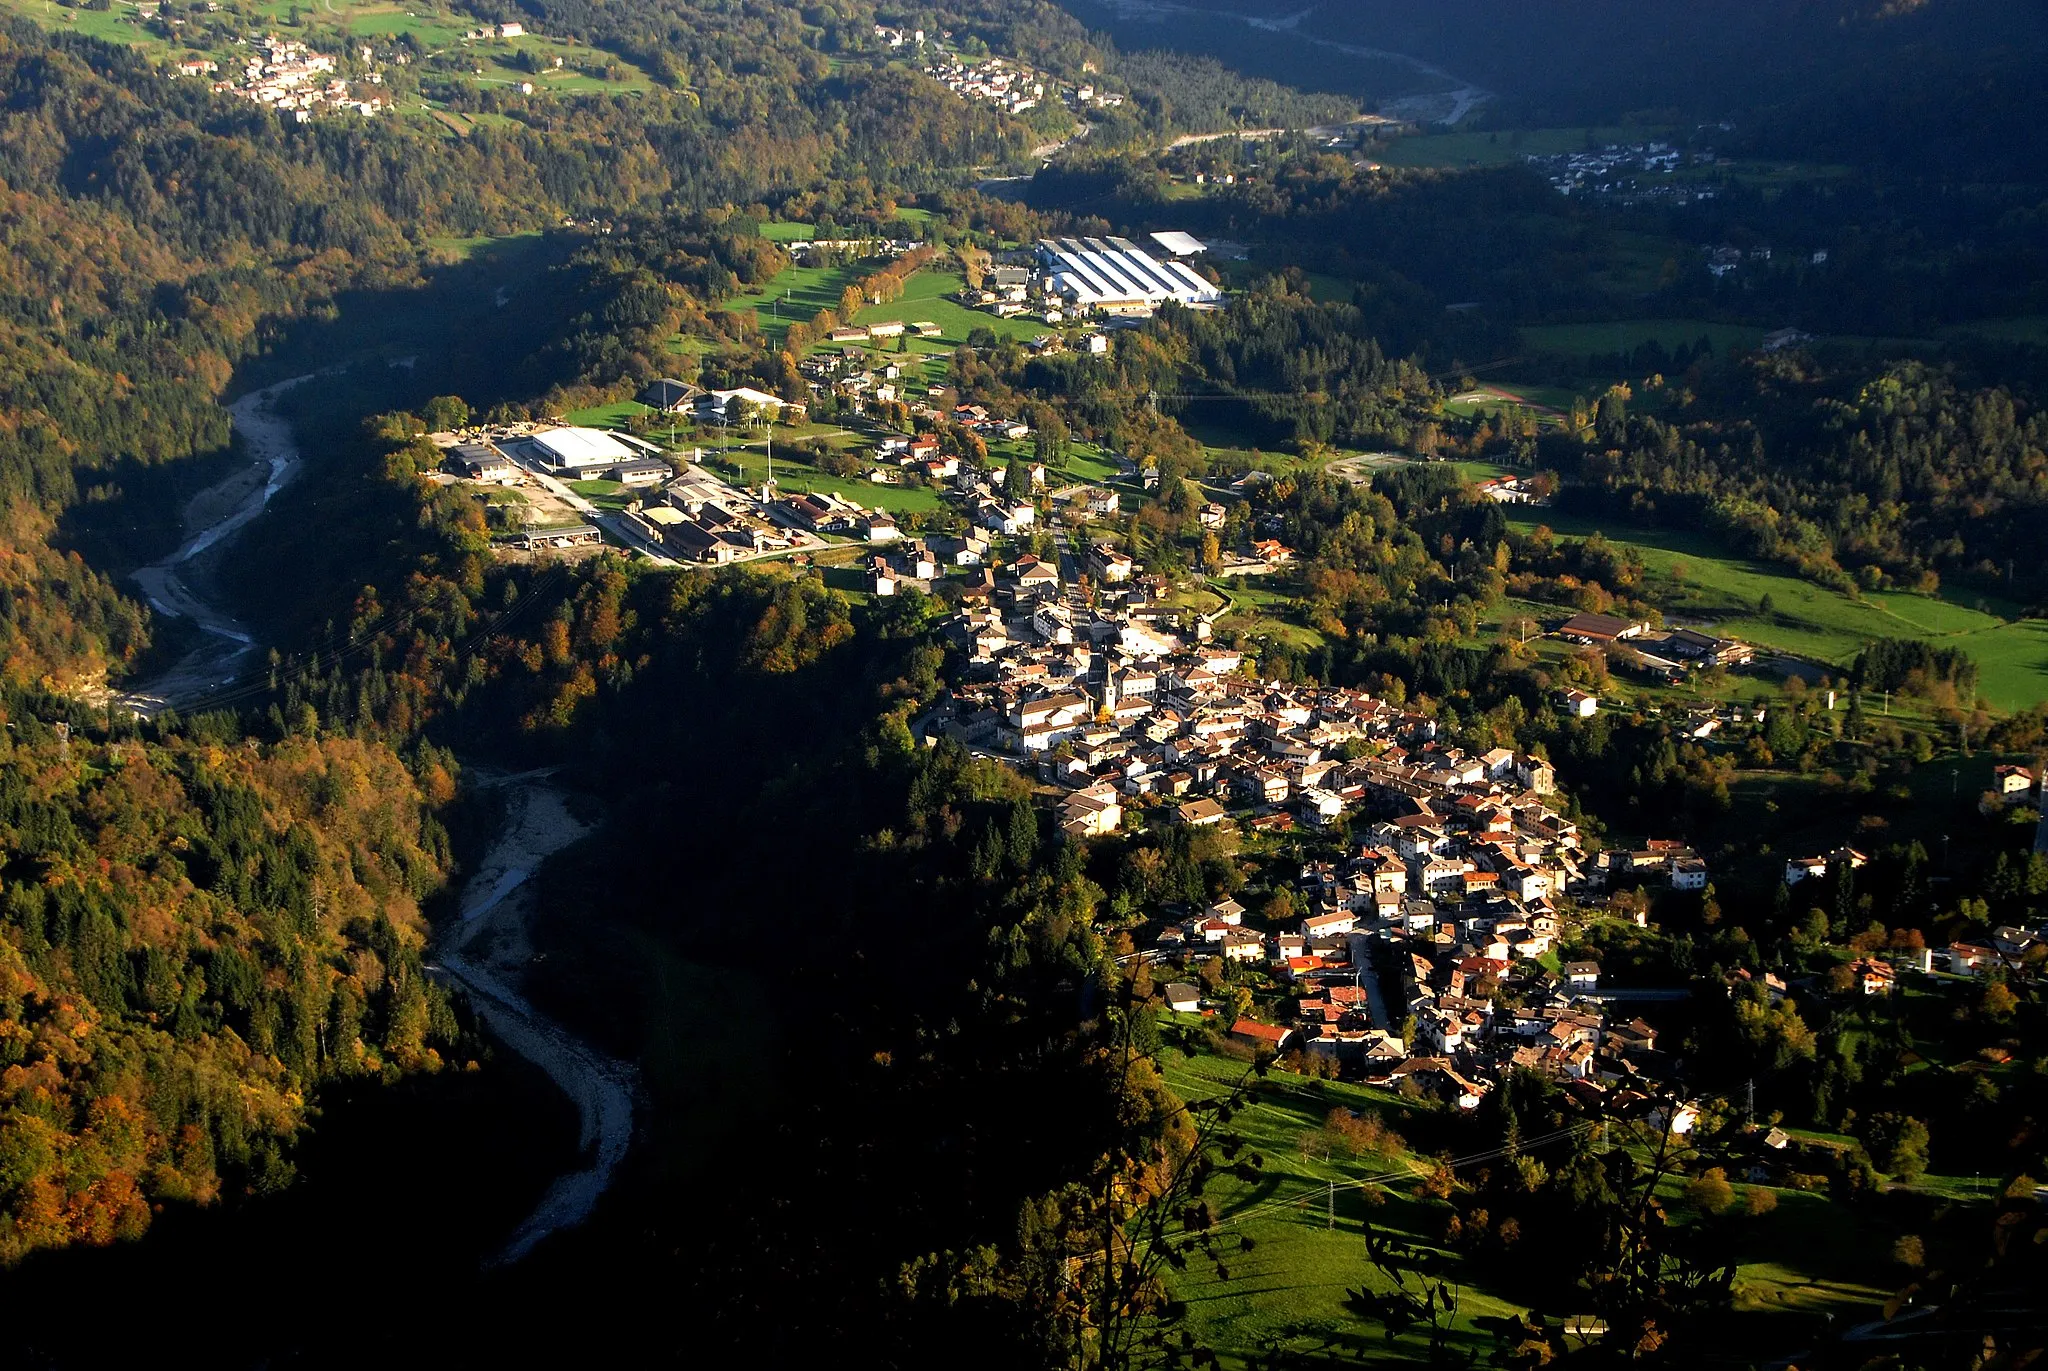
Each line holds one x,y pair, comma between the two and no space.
991,81
1623,171
2009,948
998,81
897,38
1377,938
1455,862
285,74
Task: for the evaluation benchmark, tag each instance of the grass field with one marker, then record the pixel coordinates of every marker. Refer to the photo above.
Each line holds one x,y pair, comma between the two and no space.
613,415
800,292
1693,578
1261,611
462,249
316,21
1290,1288
923,300
1808,1259
1549,404
793,476
797,231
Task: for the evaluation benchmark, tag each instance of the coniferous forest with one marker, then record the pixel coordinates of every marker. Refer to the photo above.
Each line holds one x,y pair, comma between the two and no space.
904,1052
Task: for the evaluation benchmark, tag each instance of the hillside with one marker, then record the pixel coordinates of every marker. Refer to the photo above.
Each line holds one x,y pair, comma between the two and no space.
1817,78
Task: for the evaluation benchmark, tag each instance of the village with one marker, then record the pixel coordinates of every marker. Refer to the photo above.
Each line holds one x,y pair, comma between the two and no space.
1458,874
286,75
1436,887
1008,85
1624,171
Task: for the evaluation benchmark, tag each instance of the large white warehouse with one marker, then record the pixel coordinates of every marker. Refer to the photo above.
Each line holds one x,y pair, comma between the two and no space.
1117,276
571,449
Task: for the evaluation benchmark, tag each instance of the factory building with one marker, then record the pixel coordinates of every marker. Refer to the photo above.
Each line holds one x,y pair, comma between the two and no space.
1116,276
574,449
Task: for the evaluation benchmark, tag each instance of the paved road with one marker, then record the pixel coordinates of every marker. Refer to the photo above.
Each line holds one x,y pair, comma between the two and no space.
1641,995
1361,962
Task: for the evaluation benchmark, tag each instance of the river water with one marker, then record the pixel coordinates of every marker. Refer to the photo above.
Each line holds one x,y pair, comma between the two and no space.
215,515
487,949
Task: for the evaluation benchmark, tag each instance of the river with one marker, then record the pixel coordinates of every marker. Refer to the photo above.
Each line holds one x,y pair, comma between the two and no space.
1448,107
484,953
487,949
213,516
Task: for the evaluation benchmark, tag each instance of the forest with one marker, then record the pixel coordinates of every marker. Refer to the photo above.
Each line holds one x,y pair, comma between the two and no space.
904,1072
196,935
1863,477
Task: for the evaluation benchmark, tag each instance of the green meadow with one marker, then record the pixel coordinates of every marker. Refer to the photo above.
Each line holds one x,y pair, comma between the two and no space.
1452,150
1694,578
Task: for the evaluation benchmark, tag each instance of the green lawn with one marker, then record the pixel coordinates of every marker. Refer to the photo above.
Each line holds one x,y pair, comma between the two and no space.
1693,577
800,292
483,245
1258,610
1810,1257
1086,462
1546,403
795,293
1501,148
923,300
1291,1286
792,476
117,25
613,415
604,494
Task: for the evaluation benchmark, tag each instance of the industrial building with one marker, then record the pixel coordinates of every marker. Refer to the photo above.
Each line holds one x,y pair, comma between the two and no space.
1116,276
575,449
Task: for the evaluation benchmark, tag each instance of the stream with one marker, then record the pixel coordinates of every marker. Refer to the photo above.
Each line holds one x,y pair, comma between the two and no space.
213,516
485,952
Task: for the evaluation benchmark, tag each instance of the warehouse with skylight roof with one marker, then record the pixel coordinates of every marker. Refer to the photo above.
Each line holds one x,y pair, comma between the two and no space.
1116,276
